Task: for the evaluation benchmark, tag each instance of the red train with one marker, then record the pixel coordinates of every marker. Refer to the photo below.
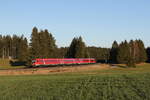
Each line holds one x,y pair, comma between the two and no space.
64,61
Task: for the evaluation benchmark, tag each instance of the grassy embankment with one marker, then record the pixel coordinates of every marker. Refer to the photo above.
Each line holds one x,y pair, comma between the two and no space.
109,84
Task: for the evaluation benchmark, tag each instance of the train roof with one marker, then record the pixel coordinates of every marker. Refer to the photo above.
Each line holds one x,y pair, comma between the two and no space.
62,58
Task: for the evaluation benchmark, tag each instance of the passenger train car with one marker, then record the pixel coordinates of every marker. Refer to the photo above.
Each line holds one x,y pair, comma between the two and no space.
64,61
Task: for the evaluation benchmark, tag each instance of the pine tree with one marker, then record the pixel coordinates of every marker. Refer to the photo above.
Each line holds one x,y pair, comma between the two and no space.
81,51
15,44
142,53
1,46
22,49
72,49
136,52
51,44
123,53
77,49
148,54
114,52
8,46
131,60
47,44
42,45
7,42
34,45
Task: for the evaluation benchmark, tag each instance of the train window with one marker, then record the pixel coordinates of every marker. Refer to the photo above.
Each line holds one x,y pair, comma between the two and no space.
50,60
33,61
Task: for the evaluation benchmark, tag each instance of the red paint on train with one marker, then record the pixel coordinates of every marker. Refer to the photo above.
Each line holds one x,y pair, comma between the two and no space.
58,61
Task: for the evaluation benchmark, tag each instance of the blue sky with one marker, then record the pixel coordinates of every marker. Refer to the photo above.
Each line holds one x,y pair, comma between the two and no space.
99,22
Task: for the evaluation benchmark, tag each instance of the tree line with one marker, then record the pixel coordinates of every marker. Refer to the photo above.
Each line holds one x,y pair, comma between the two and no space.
43,45
14,47
129,53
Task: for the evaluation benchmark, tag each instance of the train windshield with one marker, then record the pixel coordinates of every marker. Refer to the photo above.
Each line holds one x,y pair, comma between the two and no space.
33,61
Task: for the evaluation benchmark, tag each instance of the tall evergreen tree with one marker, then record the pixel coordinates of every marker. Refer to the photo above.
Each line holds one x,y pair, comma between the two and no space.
136,51
22,49
131,61
1,46
148,54
47,44
72,49
43,49
114,52
34,44
15,44
51,44
142,53
77,49
123,53
132,49
7,43
81,51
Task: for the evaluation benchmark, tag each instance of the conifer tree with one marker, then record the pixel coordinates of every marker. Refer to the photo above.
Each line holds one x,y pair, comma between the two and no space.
131,60
51,45
15,44
81,51
47,44
42,45
142,53
34,45
7,43
136,51
1,46
148,54
114,52
77,49
22,49
72,49
123,53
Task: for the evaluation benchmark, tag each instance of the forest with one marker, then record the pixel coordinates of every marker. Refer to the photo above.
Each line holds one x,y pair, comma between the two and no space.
42,44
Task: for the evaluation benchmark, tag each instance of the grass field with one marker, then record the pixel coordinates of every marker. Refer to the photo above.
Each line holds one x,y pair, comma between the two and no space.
110,84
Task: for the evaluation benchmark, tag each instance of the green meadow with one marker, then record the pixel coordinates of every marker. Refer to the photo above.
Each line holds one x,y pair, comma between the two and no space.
110,84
